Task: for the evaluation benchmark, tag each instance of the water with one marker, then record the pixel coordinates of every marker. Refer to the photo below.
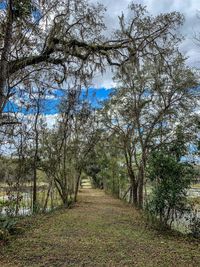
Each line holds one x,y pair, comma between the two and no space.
194,192
182,223
25,205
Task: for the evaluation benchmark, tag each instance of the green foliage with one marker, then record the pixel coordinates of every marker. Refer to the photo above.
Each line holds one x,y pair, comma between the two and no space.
112,173
8,226
178,147
8,223
13,169
171,179
9,206
92,170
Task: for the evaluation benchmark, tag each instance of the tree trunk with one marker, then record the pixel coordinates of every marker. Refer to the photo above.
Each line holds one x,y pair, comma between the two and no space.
134,188
140,192
36,157
141,180
134,192
47,197
63,192
141,186
125,194
131,195
77,187
34,189
65,198
5,56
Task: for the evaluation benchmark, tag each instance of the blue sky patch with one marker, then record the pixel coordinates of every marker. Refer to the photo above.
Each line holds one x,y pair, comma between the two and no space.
50,104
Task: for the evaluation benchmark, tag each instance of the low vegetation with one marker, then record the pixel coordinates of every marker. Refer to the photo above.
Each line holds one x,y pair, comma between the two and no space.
99,230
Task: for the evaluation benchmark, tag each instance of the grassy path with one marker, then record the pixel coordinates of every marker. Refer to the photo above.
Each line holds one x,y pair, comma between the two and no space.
99,231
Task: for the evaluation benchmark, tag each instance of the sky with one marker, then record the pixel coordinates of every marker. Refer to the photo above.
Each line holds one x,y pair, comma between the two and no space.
50,105
189,8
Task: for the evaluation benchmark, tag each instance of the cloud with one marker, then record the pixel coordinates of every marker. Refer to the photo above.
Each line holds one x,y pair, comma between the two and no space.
51,120
104,80
189,8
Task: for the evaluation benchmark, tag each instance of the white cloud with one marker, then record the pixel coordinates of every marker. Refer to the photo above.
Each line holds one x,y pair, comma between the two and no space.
189,8
51,120
104,81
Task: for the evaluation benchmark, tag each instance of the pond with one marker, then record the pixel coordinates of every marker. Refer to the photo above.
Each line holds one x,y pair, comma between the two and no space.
181,224
194,192
25,203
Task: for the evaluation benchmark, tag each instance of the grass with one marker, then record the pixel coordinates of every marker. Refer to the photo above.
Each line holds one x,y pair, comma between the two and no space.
98,231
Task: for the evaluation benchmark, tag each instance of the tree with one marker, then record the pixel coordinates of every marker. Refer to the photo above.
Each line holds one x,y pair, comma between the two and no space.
36,99
54,41
69,37
68,146
171,180
86,136
153,98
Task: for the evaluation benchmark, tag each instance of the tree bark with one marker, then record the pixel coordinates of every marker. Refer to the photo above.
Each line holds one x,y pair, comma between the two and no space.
63,192
35,158
140,192
141,181
47,197
4,61
77,186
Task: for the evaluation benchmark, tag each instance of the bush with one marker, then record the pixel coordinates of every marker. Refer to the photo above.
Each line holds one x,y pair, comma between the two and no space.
4,234
195,226
8,226
9,206
170,179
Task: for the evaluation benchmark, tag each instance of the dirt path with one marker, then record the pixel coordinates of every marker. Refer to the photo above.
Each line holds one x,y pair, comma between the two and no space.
99,231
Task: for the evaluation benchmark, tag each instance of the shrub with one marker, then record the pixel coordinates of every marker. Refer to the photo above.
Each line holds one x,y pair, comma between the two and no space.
4,234
195,226
8,226
170,179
